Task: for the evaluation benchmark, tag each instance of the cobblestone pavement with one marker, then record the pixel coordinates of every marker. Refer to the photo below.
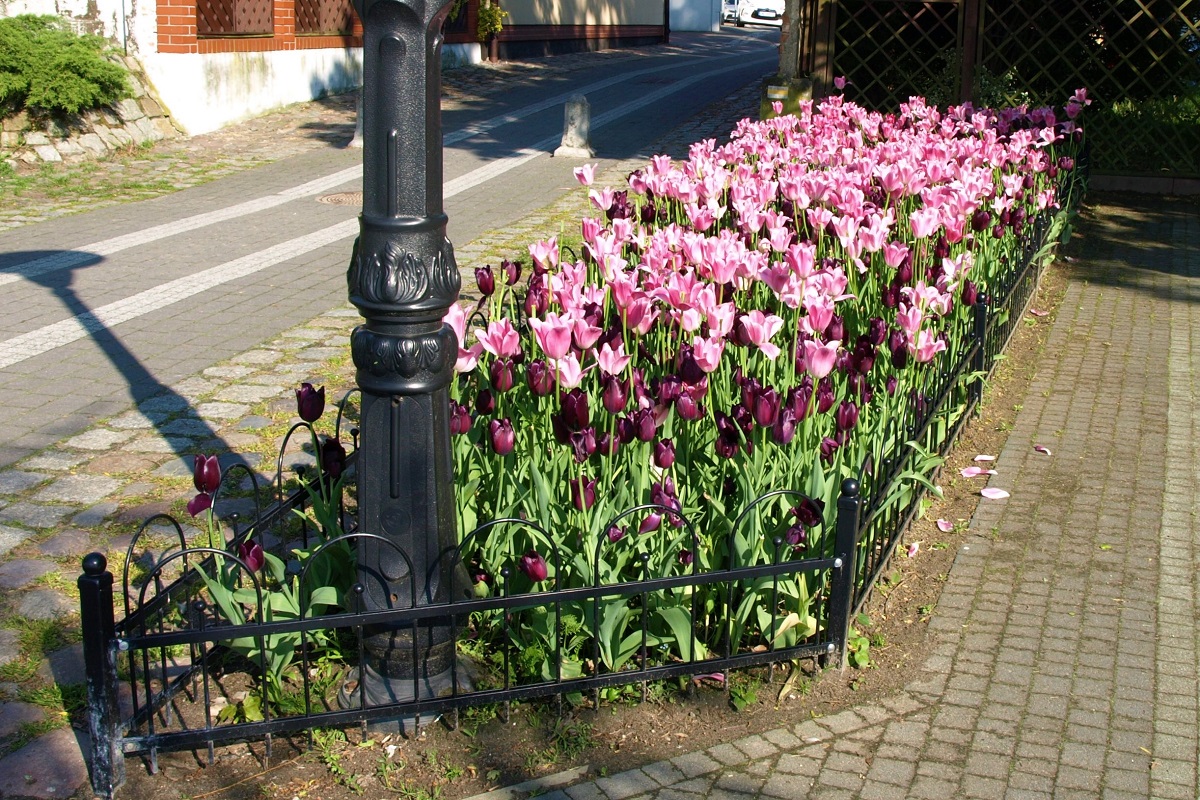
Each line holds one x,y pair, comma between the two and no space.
1062,659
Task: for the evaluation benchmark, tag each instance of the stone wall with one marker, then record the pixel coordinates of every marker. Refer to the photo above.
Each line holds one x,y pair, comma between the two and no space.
25,139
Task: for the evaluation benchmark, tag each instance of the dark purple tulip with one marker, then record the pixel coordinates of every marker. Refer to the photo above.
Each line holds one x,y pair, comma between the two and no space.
584,444
729,438
836,329
828,448
891,384
252,554
540,378
534,566
785,426
608,445
980,220
206,476
688,408
667,389
799,398
998,231
664,453
485,279
904,272
501,373
502,436
644,427
585,498
743,417
877,331
1066,163
614,394
810,513
626,430
512,271
685,558
310,402
847,416
689,370
199,504
739,334
333,456
898,344
766,407
825,396
969,293
750,389
796,536
863,357
651,522
891,295
615,534
460,418
575,412
536,300
485,403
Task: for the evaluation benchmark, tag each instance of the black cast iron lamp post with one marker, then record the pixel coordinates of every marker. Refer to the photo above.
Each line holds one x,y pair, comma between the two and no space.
403,278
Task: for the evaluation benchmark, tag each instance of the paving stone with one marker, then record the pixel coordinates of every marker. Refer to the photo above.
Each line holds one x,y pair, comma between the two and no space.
78,489
228,371
626,784
98,439
54,461
95,516
249,393
160,444
217,410
257,357
138,420
10,537
10,646
14,481
21,572
68,544
168,403
14,715
51,766
186,426
321,353
255,423
44,604
64,667
34,515
123,463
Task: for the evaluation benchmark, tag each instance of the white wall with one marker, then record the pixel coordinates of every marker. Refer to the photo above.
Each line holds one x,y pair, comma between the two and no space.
696,15
204,92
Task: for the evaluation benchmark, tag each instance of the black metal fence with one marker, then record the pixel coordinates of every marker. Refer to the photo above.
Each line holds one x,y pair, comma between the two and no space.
166,676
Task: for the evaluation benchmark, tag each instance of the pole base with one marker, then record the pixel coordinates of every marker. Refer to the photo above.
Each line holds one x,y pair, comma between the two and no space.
381,690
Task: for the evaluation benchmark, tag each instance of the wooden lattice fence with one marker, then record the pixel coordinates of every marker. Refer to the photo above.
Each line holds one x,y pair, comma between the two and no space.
1139,60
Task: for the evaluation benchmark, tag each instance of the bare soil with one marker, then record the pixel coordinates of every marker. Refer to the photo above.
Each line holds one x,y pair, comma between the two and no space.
487,750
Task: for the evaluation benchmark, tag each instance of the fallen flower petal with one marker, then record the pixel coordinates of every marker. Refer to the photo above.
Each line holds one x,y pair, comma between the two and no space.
1037,313
913,549
975,472
993,494
1042,449
945,525
985,458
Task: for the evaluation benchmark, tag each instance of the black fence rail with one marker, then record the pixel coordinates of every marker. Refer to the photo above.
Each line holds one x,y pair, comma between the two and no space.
175,674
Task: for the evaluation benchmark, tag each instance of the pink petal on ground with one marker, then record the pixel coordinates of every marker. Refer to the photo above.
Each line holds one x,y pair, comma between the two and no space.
913,549
945,525
1042,449
993,494
985,458
1037,313
975,472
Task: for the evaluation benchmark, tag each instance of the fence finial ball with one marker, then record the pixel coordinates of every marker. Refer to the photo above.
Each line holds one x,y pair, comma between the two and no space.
850,487
94,564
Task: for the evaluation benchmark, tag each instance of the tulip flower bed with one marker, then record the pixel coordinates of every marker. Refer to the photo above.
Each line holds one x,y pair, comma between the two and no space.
780,312
690,446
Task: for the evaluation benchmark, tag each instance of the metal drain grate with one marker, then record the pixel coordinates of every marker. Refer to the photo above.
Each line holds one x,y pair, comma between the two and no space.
342,199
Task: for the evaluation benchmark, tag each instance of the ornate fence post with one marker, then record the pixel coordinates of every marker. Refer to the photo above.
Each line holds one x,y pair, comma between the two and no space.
403,278
844,545
106,762
979,361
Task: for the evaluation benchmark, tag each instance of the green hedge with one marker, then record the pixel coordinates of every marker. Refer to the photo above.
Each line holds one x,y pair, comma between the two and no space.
46,67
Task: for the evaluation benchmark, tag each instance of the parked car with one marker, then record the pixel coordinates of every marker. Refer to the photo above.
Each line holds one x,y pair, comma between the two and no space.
729,9
759,12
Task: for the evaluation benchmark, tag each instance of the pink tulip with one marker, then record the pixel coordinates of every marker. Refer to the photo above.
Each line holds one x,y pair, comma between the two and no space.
610,361
553,335
707,352
585,174
500,339
820,357
567,372
926,346
759,328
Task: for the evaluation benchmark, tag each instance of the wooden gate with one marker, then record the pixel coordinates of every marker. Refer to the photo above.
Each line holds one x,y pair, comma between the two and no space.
1138,59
